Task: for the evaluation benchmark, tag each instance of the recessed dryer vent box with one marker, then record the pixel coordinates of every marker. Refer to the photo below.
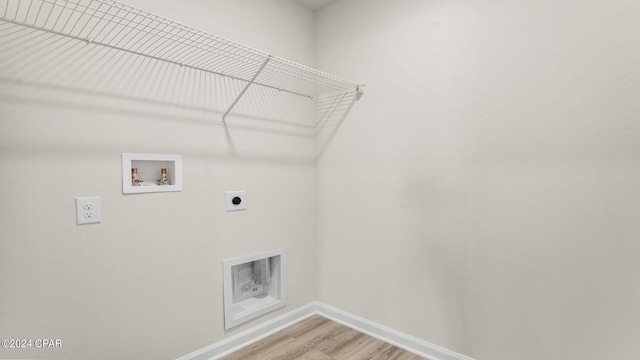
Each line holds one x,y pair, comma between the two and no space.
253,286
146,173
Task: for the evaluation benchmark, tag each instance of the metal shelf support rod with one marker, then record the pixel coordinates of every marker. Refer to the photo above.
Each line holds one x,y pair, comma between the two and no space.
246,87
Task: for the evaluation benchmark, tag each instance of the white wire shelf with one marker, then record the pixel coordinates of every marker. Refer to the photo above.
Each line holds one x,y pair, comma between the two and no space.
114,25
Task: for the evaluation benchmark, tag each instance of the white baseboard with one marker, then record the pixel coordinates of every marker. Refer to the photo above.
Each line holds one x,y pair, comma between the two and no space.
391,336
407,342
256,333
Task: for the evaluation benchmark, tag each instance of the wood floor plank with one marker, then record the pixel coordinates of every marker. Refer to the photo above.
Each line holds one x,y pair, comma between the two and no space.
315,355
341,338
303,327
362,347
318,338
310,340
391,352
262,349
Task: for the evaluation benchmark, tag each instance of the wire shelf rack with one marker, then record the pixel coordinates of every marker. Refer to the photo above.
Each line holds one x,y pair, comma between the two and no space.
113,25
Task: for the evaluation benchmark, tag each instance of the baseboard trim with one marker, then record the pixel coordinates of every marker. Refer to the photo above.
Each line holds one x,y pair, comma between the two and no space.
247,337
407,342
391,336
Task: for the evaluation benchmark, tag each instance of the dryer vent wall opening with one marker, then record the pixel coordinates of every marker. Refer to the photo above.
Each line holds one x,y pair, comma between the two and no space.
253,285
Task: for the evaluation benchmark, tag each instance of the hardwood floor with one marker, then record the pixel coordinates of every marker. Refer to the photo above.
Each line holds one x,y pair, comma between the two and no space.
318,338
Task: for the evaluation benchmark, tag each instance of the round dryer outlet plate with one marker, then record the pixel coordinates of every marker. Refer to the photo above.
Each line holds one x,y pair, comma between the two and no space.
236,200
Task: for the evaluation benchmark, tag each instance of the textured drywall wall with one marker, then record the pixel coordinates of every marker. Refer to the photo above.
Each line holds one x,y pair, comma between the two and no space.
146,283
483,194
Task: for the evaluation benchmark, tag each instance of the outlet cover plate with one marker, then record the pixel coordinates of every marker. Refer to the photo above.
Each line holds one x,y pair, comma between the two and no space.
230,206
88,210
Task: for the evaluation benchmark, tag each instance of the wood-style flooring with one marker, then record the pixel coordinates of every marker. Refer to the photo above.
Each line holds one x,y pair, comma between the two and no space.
318,338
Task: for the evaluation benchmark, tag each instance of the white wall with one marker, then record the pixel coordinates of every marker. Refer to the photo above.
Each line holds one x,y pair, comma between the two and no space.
146,283
483,195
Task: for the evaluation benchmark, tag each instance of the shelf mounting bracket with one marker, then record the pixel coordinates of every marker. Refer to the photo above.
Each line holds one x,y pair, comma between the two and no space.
253,79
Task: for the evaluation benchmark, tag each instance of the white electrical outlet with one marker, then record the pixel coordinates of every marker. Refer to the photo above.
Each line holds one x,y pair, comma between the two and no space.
88,210
236,200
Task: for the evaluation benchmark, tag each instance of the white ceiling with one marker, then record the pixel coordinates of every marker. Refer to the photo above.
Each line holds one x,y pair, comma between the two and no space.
314,5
